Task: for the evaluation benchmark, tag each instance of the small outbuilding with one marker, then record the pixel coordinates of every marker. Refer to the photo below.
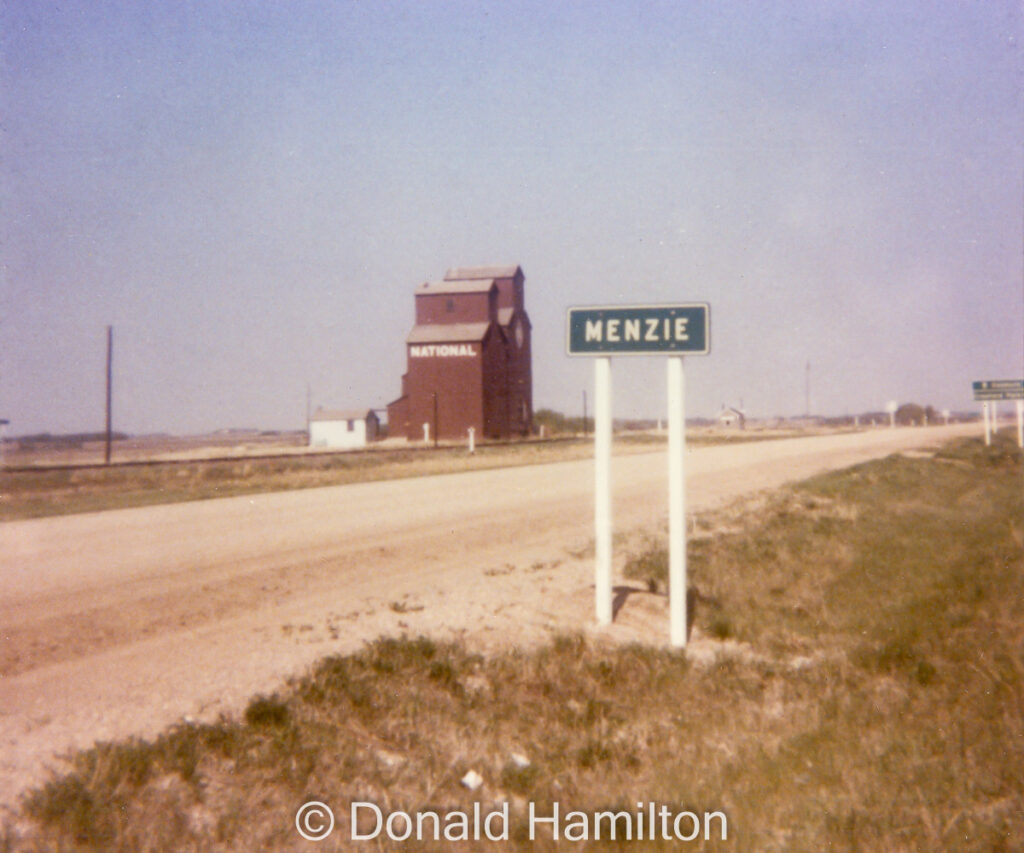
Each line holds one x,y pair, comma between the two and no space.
343,429
732,418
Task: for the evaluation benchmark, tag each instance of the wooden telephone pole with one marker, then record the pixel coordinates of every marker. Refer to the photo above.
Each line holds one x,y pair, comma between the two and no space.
110,361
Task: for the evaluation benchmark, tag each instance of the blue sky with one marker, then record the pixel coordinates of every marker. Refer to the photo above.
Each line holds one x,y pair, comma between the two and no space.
249,192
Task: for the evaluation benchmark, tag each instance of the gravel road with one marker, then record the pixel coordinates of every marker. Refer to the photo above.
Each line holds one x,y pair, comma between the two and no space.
120,623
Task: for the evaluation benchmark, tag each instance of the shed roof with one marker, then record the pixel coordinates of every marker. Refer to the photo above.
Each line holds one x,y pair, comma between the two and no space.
731,412
462,286
472,273
342,414
450,333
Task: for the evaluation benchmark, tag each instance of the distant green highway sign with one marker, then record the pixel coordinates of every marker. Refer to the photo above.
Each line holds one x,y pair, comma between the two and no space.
639,330
999,389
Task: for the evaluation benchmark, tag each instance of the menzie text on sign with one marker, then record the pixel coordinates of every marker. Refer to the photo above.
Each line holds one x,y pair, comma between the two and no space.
639,330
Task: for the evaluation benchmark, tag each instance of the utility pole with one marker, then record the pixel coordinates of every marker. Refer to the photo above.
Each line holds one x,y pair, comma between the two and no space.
110,361
807,390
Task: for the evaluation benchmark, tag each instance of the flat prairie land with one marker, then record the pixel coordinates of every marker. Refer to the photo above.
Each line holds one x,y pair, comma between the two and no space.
853,679
51,478
47,487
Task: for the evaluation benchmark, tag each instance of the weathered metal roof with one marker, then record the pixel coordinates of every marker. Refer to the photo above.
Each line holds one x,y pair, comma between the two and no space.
473,273
467,286
341,414
450,333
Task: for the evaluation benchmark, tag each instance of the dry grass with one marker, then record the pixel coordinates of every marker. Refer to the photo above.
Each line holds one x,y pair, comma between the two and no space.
28,493
872,699
31,488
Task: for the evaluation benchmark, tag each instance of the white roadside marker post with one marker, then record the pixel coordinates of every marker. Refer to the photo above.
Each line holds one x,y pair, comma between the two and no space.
603,488
988,428
677,500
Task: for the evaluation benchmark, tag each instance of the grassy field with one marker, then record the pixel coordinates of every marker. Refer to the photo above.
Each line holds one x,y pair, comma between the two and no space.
30,491
866,694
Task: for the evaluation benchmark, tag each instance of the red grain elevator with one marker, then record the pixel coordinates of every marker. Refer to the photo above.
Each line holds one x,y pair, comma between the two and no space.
467,359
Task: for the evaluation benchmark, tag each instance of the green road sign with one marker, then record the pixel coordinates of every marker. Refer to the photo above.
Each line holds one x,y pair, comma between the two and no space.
999,389
639,330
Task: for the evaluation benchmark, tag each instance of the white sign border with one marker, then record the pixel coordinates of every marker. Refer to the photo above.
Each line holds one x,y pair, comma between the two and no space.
651,353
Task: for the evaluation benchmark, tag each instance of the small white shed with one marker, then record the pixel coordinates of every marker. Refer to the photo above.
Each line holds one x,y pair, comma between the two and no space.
343,429
730,417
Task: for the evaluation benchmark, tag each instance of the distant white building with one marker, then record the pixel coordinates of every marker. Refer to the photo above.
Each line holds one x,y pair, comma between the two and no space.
343,429
730,417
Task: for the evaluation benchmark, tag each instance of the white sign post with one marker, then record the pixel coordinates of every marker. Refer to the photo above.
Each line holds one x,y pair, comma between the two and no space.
603,488
989,392
669,330
677,500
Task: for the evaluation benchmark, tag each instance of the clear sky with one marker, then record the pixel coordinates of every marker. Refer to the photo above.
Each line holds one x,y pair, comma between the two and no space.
249,193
